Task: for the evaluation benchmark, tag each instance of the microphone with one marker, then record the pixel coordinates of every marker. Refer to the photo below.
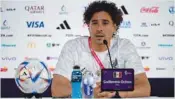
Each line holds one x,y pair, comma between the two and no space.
106,43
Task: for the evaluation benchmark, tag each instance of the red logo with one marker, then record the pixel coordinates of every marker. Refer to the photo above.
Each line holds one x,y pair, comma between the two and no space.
51,68
85,25
146,68
3,69
153,9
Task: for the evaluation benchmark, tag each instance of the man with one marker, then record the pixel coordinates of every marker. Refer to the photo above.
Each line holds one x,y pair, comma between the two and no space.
90,53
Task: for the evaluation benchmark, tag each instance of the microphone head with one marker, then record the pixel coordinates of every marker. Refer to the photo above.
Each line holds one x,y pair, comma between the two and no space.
105,42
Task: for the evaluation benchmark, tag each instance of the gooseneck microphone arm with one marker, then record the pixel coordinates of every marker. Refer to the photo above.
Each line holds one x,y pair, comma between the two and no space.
106,43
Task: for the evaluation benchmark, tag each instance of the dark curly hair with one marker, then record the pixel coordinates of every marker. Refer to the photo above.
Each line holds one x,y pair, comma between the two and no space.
109,7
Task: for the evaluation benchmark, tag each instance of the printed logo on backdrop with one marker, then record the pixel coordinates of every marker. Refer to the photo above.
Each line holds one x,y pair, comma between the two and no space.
160,68
85,25
3,69
7,35
63,10
165,45
31,45
146,68
172,10
168,35
1,9
74,35
35,24
153,9
124,11
5,25
6,58
10,9
51,68
125,24
35,9
50,45
39,35
51,58
143,45
171,23
7,9
64,26
8,45
140,35
164,58
146,24
144,57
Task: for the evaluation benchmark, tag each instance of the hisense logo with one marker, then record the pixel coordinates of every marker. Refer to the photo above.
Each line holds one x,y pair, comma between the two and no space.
8,45
165,45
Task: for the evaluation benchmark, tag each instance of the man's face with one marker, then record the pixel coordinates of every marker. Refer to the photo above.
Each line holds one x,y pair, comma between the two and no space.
101,27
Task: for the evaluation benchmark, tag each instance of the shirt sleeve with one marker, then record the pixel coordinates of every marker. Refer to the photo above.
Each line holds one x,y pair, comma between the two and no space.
65,62
132,59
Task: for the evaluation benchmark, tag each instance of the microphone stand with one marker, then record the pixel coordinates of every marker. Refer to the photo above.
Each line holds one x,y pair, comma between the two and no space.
106,43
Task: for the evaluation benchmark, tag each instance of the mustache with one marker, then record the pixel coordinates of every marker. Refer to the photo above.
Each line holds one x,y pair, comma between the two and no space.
99,35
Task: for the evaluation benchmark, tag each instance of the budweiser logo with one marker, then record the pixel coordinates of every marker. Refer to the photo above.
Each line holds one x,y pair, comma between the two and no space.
149,10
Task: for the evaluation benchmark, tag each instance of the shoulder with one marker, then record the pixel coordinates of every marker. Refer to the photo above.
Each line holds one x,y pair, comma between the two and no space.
123,42
124,45
76,43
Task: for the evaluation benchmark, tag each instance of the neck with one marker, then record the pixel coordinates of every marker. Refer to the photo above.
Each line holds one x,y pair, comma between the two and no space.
99,47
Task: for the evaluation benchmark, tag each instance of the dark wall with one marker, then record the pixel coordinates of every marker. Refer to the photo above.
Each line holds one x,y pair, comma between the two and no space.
162,87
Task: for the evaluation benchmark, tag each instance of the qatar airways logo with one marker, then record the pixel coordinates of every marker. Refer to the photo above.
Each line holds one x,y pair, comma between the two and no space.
34,9
153,9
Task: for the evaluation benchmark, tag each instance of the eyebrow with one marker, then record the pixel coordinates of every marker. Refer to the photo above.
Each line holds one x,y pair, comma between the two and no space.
100,19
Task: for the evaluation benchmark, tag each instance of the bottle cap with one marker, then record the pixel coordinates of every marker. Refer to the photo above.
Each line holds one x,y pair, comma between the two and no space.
76,67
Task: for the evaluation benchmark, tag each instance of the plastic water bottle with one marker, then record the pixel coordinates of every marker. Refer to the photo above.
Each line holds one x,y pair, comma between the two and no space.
76,79
88,85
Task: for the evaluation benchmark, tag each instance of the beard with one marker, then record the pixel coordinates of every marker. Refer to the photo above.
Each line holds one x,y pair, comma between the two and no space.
99,38
99,41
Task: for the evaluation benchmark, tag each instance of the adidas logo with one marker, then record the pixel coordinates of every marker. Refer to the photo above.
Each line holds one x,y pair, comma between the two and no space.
124,11
64,25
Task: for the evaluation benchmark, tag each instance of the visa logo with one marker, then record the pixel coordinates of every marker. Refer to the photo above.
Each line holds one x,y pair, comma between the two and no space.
35,24
8,58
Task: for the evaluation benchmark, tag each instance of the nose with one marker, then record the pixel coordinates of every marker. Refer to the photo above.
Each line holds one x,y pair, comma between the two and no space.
100,28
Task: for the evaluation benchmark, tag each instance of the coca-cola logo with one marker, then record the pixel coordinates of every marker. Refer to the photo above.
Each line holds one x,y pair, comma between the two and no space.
153,9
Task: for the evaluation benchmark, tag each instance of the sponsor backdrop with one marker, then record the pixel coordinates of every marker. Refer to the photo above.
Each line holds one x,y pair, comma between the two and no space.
40,28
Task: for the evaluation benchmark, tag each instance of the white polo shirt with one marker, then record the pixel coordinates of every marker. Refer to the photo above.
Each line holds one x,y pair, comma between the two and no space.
77,52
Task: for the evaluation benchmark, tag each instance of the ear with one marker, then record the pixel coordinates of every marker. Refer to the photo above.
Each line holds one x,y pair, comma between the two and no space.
115,27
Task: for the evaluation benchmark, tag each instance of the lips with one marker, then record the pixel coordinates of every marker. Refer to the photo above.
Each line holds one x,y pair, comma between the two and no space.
99,35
